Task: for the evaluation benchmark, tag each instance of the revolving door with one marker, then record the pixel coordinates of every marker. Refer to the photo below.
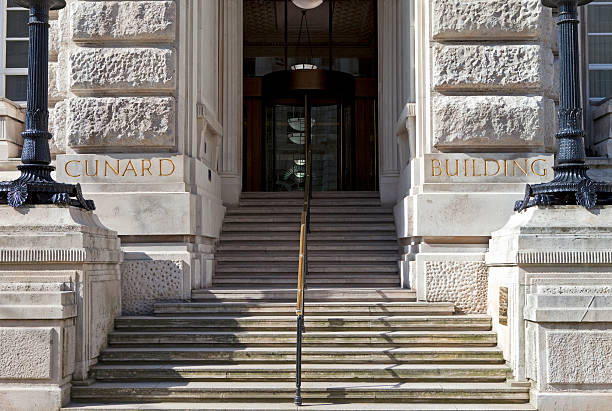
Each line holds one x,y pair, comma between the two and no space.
303,111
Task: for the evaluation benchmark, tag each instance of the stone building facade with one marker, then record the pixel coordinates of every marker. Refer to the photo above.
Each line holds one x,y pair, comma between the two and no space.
148,116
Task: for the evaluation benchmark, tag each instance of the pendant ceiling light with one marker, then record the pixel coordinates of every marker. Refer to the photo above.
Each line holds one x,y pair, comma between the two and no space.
307,4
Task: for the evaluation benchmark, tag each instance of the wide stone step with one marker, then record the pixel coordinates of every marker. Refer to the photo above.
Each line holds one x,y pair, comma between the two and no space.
388,339
274,247
312,237
315,194
313,323
312,294
314,219
281,257
311,391
366,280
310,372
314,227
315,209
318,309
310,355
288,406
314,268
318,202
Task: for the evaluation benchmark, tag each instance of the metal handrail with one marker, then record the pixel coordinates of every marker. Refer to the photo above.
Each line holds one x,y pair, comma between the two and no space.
303,258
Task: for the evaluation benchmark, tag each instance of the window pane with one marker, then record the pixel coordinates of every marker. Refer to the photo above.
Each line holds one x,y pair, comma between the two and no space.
16,54
600,18
12,3
17,23
600,49
600,83
16,87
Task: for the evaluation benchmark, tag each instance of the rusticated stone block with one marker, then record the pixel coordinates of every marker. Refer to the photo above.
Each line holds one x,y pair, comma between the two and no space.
461,282
124,21
54,39
490,19
145,282
492,68
121,122
492,121
579,357
25,353
122,68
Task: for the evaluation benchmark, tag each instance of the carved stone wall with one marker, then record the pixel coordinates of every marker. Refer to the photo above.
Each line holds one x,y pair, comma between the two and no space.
461,282
145,282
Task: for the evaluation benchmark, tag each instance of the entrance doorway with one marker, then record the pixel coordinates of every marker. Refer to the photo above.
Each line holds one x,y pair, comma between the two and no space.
334,58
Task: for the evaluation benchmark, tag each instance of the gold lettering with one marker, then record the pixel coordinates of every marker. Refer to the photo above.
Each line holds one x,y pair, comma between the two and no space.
487,171
465,165
515,165
160,167
435,165
456,169
474,169
87,168
505,168
544,170
148,168
107,166
129,167
66,168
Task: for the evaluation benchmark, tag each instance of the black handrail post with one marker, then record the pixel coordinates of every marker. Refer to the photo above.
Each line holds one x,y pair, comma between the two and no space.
571,185
298,361
35,184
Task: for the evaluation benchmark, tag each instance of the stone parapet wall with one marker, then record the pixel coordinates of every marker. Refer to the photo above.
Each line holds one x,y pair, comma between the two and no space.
59,295
554,264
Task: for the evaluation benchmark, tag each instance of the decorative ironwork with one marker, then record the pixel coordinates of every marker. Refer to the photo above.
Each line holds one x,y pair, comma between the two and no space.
571,185
35,184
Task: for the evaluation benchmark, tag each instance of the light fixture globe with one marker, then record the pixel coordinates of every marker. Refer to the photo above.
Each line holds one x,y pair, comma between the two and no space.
307,4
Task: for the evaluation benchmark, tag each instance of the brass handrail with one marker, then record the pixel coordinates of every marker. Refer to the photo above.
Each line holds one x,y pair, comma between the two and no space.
303,256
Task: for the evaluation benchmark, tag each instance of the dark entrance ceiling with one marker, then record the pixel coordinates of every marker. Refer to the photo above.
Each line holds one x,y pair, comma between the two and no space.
354,28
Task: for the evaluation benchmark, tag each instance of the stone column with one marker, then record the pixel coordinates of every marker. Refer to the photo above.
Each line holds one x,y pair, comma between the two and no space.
485,114
59,295
550,296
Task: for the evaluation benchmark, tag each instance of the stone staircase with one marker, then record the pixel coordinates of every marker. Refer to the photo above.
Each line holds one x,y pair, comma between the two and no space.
352,242
368,344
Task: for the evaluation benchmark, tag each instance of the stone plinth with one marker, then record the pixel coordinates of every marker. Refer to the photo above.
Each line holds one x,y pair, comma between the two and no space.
550,296
59,295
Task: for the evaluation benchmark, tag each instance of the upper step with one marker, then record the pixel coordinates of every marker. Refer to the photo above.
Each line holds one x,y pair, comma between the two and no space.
311,294
315,194
319,202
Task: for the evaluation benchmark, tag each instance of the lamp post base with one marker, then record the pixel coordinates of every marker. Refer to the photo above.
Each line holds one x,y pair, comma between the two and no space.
36,186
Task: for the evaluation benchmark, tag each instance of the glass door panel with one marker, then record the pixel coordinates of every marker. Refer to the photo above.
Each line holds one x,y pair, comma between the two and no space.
285,156
325,146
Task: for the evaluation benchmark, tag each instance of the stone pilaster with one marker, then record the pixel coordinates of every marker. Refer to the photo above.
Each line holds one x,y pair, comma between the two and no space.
59,296
550,271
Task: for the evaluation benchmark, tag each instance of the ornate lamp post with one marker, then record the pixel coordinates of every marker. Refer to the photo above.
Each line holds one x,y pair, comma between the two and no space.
571,184
35,184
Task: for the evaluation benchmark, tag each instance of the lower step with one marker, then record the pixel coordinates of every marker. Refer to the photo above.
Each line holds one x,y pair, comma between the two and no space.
287,406
311,391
